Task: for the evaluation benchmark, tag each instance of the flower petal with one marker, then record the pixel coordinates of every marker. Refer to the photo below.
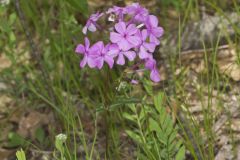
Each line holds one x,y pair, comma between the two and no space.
153,20
84,30
154,39
130,55
120,27
158,31
91,62
99,62
120,60
149,46
115,37
92,27
83,62
143,54
80,49
124,45
134,40
144,34
87,43
131,29
154,76
109,61
150,64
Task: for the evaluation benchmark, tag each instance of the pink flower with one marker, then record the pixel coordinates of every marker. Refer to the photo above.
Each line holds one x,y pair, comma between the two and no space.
139,13
151,65
119,11
125,36
91,23
154,31
145,49
115,51
104,55
88,54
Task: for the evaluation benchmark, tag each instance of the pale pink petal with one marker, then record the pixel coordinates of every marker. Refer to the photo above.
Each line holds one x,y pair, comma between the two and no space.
134,40
154,40
131,29
133,81
153,21
99,45
109,61
92,27
130,55
83,62
124,45
84,30
143,54
150,64
87,43
80,49
120,60
154,76
113,50
158,32
99,62
91,62
149,46
120,27
144,34
115,37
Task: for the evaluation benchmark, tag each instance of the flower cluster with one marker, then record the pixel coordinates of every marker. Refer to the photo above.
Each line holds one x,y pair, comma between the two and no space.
135,33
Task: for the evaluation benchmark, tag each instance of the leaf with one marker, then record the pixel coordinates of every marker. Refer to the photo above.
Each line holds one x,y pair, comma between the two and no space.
15,140
153,125
20,155
181,153
158,101
129,116
40,135
134,136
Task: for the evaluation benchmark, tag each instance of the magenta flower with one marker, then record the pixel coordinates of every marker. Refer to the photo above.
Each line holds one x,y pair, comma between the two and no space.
154,31
151,65
91,23
139,13
125,36
145,48
116,52
88,54
119,11
103,55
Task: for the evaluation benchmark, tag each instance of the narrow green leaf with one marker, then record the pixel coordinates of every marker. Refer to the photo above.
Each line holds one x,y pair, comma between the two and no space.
181,154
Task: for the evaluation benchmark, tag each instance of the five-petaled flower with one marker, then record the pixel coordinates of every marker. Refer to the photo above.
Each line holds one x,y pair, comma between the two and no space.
91,23
88,52
154,31
125,37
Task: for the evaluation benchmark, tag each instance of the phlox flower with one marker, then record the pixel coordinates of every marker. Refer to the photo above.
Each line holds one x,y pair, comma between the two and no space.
151,65
88,52
153,30
103,55
115,51
91,23
125,36
119,11
139,13
145,48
